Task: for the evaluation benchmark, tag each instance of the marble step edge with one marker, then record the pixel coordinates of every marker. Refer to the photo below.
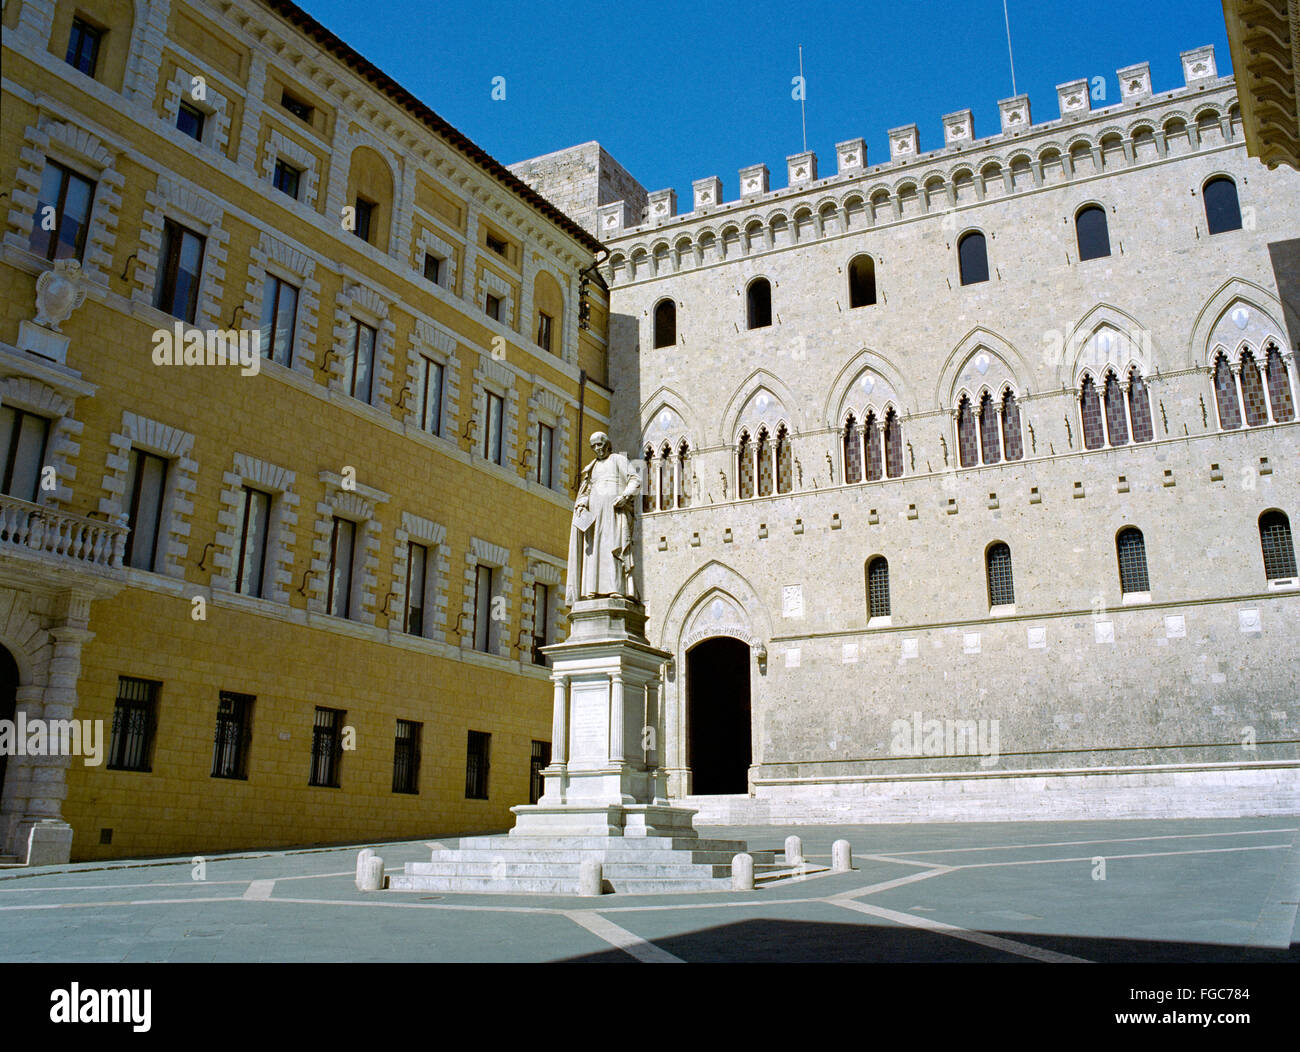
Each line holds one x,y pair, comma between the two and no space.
647,843
557,869
607,857
553,885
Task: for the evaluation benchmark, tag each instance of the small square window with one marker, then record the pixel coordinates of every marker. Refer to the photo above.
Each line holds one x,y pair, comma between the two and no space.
544,321
297,107
432,268
190,120
495,244
493,307
365,217
287,178
83,46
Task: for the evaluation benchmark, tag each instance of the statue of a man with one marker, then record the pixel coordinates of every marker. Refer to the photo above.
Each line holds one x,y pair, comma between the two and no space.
600,542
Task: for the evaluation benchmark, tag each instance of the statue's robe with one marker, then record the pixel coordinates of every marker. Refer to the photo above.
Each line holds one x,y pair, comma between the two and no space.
600,541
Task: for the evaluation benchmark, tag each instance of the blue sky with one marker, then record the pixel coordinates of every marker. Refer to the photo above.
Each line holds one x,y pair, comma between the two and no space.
678,91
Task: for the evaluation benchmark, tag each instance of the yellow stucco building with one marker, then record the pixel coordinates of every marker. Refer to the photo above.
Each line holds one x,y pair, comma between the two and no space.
300,591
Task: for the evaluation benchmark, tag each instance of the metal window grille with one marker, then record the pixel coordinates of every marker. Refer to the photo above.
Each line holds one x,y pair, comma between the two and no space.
233,734
326,748
1132,551
1275,541
476,765
878,588
406,757
133,724
1001,590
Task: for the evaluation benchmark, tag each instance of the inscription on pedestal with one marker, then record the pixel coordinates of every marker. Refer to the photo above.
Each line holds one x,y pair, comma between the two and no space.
589,723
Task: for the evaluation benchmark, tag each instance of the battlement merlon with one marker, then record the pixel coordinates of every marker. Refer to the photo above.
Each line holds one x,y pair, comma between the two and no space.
1074,98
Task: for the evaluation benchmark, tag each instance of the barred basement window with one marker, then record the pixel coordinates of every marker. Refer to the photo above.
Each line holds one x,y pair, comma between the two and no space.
62,214
540,760
477,757
134,715
146,482
878,587
1275,543
406,757
233,736
327,747
998,563
1131,549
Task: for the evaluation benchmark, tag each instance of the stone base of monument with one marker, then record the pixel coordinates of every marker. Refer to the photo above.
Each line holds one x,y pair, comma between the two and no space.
604,794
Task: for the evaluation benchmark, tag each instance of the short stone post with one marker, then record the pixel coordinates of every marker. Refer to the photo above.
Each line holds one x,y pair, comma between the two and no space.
362,855
590,880
742,873
841,856
793,851
372,877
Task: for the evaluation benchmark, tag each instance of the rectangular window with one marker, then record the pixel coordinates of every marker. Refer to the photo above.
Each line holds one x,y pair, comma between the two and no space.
83,46
190,120
133,724
297,107
234,734
287,178
541,621
495,406
406,757
432,267
417,566
62,214
493,307
476,765
431,378
23,437
254,529
342,544
179,265
146,483
541,759
363,361
327,747
483,608
545,454
279,319
365,217
543,330
495,244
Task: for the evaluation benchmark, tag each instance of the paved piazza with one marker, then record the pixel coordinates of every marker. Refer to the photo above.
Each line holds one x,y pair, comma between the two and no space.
1221,891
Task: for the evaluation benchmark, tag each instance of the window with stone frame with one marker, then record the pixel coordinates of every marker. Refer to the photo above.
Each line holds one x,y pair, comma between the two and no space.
345,549
493,426
477,765
967,439
862,281
877,587
342,568
1279,385
256,524
758,299
361,361
253,542
1131,551
1091,233
283,293
279,319
180,271
146,487
784,460
665,324
852,442
135,720
1225,394
1013,444
972,258
1276,547
24,437
63,212
1116,413
484,623
893,434
418,602
998,566
417,581
745,458
196,107
1222,209
1094,434
990,438
84,43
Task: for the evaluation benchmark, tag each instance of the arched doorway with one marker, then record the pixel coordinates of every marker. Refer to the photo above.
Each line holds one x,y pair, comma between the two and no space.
8,703
718,748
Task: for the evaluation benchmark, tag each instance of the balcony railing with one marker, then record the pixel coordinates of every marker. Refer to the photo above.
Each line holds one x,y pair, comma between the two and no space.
90,541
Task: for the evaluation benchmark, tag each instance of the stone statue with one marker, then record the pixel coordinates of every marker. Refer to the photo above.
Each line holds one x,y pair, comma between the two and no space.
600,541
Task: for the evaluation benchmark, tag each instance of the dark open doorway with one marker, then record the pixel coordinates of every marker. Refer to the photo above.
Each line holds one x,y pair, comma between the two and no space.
717,716
8,702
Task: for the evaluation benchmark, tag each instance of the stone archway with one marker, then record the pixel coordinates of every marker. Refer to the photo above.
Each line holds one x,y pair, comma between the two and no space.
718,720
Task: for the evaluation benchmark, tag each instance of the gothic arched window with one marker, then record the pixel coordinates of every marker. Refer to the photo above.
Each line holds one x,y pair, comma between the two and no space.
968,449
683,475
1275,543
665,324
1225,394
877,587
1013,445
1279,384
764,463
997,561
1139,407
1094,436
852,451
647,491
875,456
1116,414
746,466
893,445
666,485
1252,391
1131,550
990,446
784,460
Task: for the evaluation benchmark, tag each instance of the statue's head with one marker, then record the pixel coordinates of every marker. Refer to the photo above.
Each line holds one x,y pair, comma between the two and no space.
600,445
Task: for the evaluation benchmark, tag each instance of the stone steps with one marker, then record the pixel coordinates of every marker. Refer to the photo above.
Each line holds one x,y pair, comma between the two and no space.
613,856
506,842
556,885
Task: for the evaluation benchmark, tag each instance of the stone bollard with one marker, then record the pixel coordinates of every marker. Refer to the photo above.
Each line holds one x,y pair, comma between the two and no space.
793,851
841,856
372,879
362,855
742,873
590,881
